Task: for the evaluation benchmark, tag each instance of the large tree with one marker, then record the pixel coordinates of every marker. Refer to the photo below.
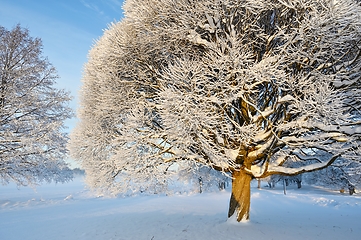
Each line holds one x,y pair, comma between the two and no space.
243,86
32,112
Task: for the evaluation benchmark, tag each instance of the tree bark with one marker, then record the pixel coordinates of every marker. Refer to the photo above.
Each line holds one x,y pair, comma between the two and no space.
241,195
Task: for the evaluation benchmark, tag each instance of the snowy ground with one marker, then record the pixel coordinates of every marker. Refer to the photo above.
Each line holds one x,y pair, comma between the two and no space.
68,211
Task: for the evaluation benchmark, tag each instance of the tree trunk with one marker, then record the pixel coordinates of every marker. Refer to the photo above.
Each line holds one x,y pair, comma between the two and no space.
241,195
284,186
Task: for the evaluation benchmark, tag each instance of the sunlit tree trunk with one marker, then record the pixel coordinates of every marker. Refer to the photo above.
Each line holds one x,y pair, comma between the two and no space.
241,195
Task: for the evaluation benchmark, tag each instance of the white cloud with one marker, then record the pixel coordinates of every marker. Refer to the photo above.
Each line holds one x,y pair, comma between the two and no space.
92,6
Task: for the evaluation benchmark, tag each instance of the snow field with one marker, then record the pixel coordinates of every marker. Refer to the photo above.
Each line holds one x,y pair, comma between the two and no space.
69,211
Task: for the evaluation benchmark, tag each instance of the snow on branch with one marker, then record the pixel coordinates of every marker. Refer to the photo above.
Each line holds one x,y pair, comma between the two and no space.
298,170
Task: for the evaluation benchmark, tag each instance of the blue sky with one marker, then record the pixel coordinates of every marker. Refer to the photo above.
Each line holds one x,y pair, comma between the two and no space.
68,29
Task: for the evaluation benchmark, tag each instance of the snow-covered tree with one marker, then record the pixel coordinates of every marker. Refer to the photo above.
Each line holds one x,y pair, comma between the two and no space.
199,179
32,113
342,174
242,86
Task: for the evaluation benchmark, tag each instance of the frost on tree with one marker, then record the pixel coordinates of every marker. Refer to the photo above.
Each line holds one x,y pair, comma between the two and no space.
32,113
245,87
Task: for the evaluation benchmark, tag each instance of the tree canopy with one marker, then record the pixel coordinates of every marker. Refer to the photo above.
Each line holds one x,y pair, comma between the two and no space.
32,112
242,86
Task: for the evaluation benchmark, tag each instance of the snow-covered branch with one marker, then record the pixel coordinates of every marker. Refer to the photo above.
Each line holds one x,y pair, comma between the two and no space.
298,170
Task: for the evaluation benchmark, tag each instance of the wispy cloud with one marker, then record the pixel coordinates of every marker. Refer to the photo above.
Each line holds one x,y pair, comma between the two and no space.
116,4
92,6
105,7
